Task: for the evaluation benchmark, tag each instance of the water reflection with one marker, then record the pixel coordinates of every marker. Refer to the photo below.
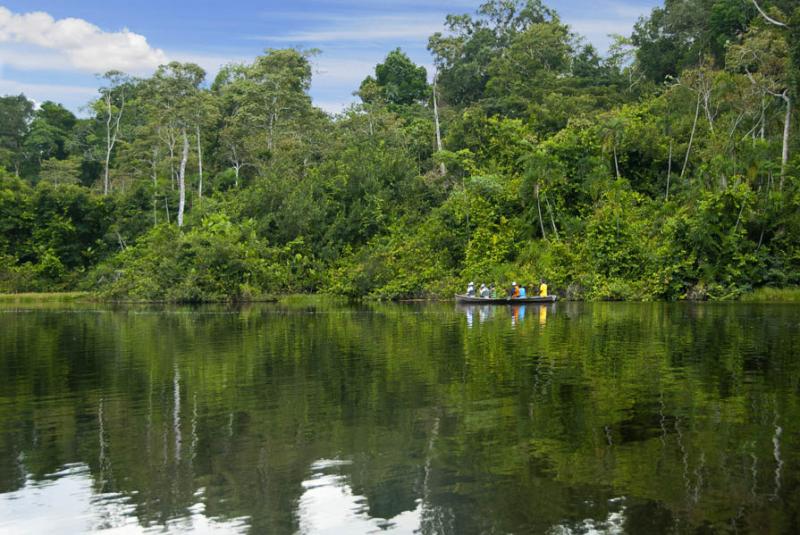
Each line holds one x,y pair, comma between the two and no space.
70,501
477,314
329,506
431,419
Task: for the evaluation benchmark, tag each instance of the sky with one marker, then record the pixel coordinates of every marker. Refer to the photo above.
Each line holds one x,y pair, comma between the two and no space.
54,49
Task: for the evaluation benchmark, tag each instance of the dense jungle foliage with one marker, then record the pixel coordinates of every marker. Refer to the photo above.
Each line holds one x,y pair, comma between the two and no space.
666,169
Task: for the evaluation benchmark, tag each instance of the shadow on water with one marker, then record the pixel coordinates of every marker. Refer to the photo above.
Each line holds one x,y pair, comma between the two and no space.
428,418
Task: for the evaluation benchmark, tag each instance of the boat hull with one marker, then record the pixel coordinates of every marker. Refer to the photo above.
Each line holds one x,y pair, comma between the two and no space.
535,299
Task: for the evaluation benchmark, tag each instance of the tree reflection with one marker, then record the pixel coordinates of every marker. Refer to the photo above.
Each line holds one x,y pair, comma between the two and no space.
652,417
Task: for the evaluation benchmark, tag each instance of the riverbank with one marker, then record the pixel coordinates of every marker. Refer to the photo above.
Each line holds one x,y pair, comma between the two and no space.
45,297
760,295
772,295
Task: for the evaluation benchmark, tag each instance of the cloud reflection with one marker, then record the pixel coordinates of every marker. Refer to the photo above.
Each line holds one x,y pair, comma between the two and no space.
328,506
65,502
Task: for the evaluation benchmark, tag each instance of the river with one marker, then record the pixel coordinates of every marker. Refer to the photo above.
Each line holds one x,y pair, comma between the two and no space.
321,417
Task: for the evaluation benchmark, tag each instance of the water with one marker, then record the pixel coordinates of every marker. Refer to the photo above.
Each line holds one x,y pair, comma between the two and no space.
325,418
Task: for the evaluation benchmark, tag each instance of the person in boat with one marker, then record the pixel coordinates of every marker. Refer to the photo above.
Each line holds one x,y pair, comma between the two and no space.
471,289
522,292
542,288
513,292
493,291
484,291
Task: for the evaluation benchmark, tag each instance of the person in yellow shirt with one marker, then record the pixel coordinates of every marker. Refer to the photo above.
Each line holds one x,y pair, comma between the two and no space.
543,289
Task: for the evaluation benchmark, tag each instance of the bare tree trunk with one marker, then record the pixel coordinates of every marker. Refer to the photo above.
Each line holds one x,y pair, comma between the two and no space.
552,218
111,137
273,117
691,136
172,167
154,174
669,170
539,207
182,178
442,168
786,127
767,17
369,120
706,106
108,146
616,161
170,141
199,164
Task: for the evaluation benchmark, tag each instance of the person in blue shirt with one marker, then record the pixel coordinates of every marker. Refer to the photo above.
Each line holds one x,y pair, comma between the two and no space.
522,292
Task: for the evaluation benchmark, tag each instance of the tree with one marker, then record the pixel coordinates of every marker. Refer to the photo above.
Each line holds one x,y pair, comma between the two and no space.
61,121
274,92
60,172
532,65
462,56
109,108
764,57
401,82
682,33
16,113
174,97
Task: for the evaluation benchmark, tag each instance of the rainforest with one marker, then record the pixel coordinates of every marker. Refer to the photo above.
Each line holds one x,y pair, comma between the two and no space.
664,169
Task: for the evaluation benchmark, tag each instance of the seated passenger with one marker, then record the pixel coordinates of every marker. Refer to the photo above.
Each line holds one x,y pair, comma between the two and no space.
514,290
543,289
484,291
471,289
522,292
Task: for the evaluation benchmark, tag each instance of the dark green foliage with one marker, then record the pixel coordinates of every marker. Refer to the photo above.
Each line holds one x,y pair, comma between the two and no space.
216,260
654,173
680,34
15,114
400,81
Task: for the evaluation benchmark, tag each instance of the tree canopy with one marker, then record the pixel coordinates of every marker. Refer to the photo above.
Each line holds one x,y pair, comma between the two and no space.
664,169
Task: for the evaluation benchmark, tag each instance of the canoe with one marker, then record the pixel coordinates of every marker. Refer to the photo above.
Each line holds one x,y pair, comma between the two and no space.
533,299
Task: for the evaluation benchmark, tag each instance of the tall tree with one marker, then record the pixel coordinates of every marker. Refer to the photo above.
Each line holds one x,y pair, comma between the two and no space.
110,108
175,96
764,56
273,93
401,82
463,54
16,113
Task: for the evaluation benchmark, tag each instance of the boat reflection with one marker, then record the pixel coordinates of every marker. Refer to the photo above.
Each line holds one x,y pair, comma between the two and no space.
479,314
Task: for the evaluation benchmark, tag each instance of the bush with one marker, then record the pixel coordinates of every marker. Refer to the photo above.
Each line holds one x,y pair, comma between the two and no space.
215,261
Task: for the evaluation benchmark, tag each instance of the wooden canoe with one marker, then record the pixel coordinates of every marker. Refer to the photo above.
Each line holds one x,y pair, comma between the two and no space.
534,299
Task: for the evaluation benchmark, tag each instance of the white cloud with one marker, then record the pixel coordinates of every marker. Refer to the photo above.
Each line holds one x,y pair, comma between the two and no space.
76,42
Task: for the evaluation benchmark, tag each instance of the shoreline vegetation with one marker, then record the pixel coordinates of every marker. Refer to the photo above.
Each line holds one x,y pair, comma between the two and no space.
666,169
759,295
45,297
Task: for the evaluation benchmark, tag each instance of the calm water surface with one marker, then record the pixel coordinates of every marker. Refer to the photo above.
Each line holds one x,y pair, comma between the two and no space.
324,418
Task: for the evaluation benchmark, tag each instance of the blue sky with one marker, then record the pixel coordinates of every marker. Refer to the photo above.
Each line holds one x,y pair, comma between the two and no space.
52,49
